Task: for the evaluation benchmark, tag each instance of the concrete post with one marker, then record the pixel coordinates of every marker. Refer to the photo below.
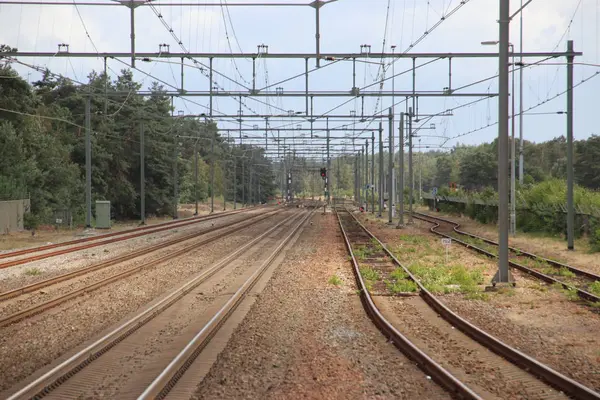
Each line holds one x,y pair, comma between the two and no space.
503,276
88,163
328,173
380,215
212,174
196,175
521,160
410,168
142,177
391,194
372,172
513,154
234,181
366,174
401,173
570,209
175,178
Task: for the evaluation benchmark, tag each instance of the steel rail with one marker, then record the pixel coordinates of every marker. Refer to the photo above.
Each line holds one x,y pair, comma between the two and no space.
34,310
129,256
554,263
59,374
152,228
530,271
438,373
168,378
522,360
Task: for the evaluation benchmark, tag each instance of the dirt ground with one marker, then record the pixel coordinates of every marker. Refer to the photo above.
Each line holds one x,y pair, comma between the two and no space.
49,234
533,317
552,247
308,336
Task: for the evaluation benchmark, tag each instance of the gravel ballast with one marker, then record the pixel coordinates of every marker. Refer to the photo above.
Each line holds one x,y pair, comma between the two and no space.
35,271
28,345
306,337
533,317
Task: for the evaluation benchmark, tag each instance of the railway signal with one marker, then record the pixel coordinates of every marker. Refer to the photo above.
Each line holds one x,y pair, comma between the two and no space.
323,173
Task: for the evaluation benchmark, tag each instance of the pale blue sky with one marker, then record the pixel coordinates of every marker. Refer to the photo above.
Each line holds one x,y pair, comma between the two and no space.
345,25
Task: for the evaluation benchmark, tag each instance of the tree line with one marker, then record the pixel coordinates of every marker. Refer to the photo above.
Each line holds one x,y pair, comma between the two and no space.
42,148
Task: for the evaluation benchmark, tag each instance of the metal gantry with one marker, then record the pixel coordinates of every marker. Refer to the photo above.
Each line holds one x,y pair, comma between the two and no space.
334,146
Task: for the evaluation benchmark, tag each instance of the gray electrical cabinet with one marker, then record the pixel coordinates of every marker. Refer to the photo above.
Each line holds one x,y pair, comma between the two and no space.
102,214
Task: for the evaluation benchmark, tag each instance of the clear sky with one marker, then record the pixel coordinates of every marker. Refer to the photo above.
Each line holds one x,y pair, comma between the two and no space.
345,25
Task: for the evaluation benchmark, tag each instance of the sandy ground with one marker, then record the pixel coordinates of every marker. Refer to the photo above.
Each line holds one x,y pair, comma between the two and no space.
533,317
308,338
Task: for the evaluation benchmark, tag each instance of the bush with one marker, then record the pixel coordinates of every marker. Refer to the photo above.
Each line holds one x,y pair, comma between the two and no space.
31,221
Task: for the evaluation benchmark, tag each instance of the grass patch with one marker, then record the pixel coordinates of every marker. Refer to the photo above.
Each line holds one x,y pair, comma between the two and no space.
566,272
570,293
594,288
362,252
477,296
544,268
401,286
413,239
540,287
369,273
448,279
400,282
370,276
335,280
33,271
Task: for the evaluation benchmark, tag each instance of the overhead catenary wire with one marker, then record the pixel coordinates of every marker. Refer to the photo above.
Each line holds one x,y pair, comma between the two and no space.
526,109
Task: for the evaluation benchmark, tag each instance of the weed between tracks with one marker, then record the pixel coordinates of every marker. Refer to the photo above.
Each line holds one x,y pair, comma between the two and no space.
594,288
427,262
335,280
440,274
370,276
33,271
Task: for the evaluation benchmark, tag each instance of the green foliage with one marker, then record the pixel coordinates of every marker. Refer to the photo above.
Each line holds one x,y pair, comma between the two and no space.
31,221
335,280
369,273
479,170
402,286
44,158
443,171
587,169
33,271
400,282
448,279
594,288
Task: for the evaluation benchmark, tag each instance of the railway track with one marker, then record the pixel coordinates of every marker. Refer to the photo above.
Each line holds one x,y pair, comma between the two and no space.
537,380
39,253
32,310
99,364
550,271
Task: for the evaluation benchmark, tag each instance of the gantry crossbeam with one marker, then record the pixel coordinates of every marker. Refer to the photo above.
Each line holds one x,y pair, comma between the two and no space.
324,56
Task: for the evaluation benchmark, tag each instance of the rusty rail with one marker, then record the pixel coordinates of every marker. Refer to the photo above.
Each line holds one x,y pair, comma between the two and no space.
438,373
97,240
34,310
546,278
61,373
542,371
